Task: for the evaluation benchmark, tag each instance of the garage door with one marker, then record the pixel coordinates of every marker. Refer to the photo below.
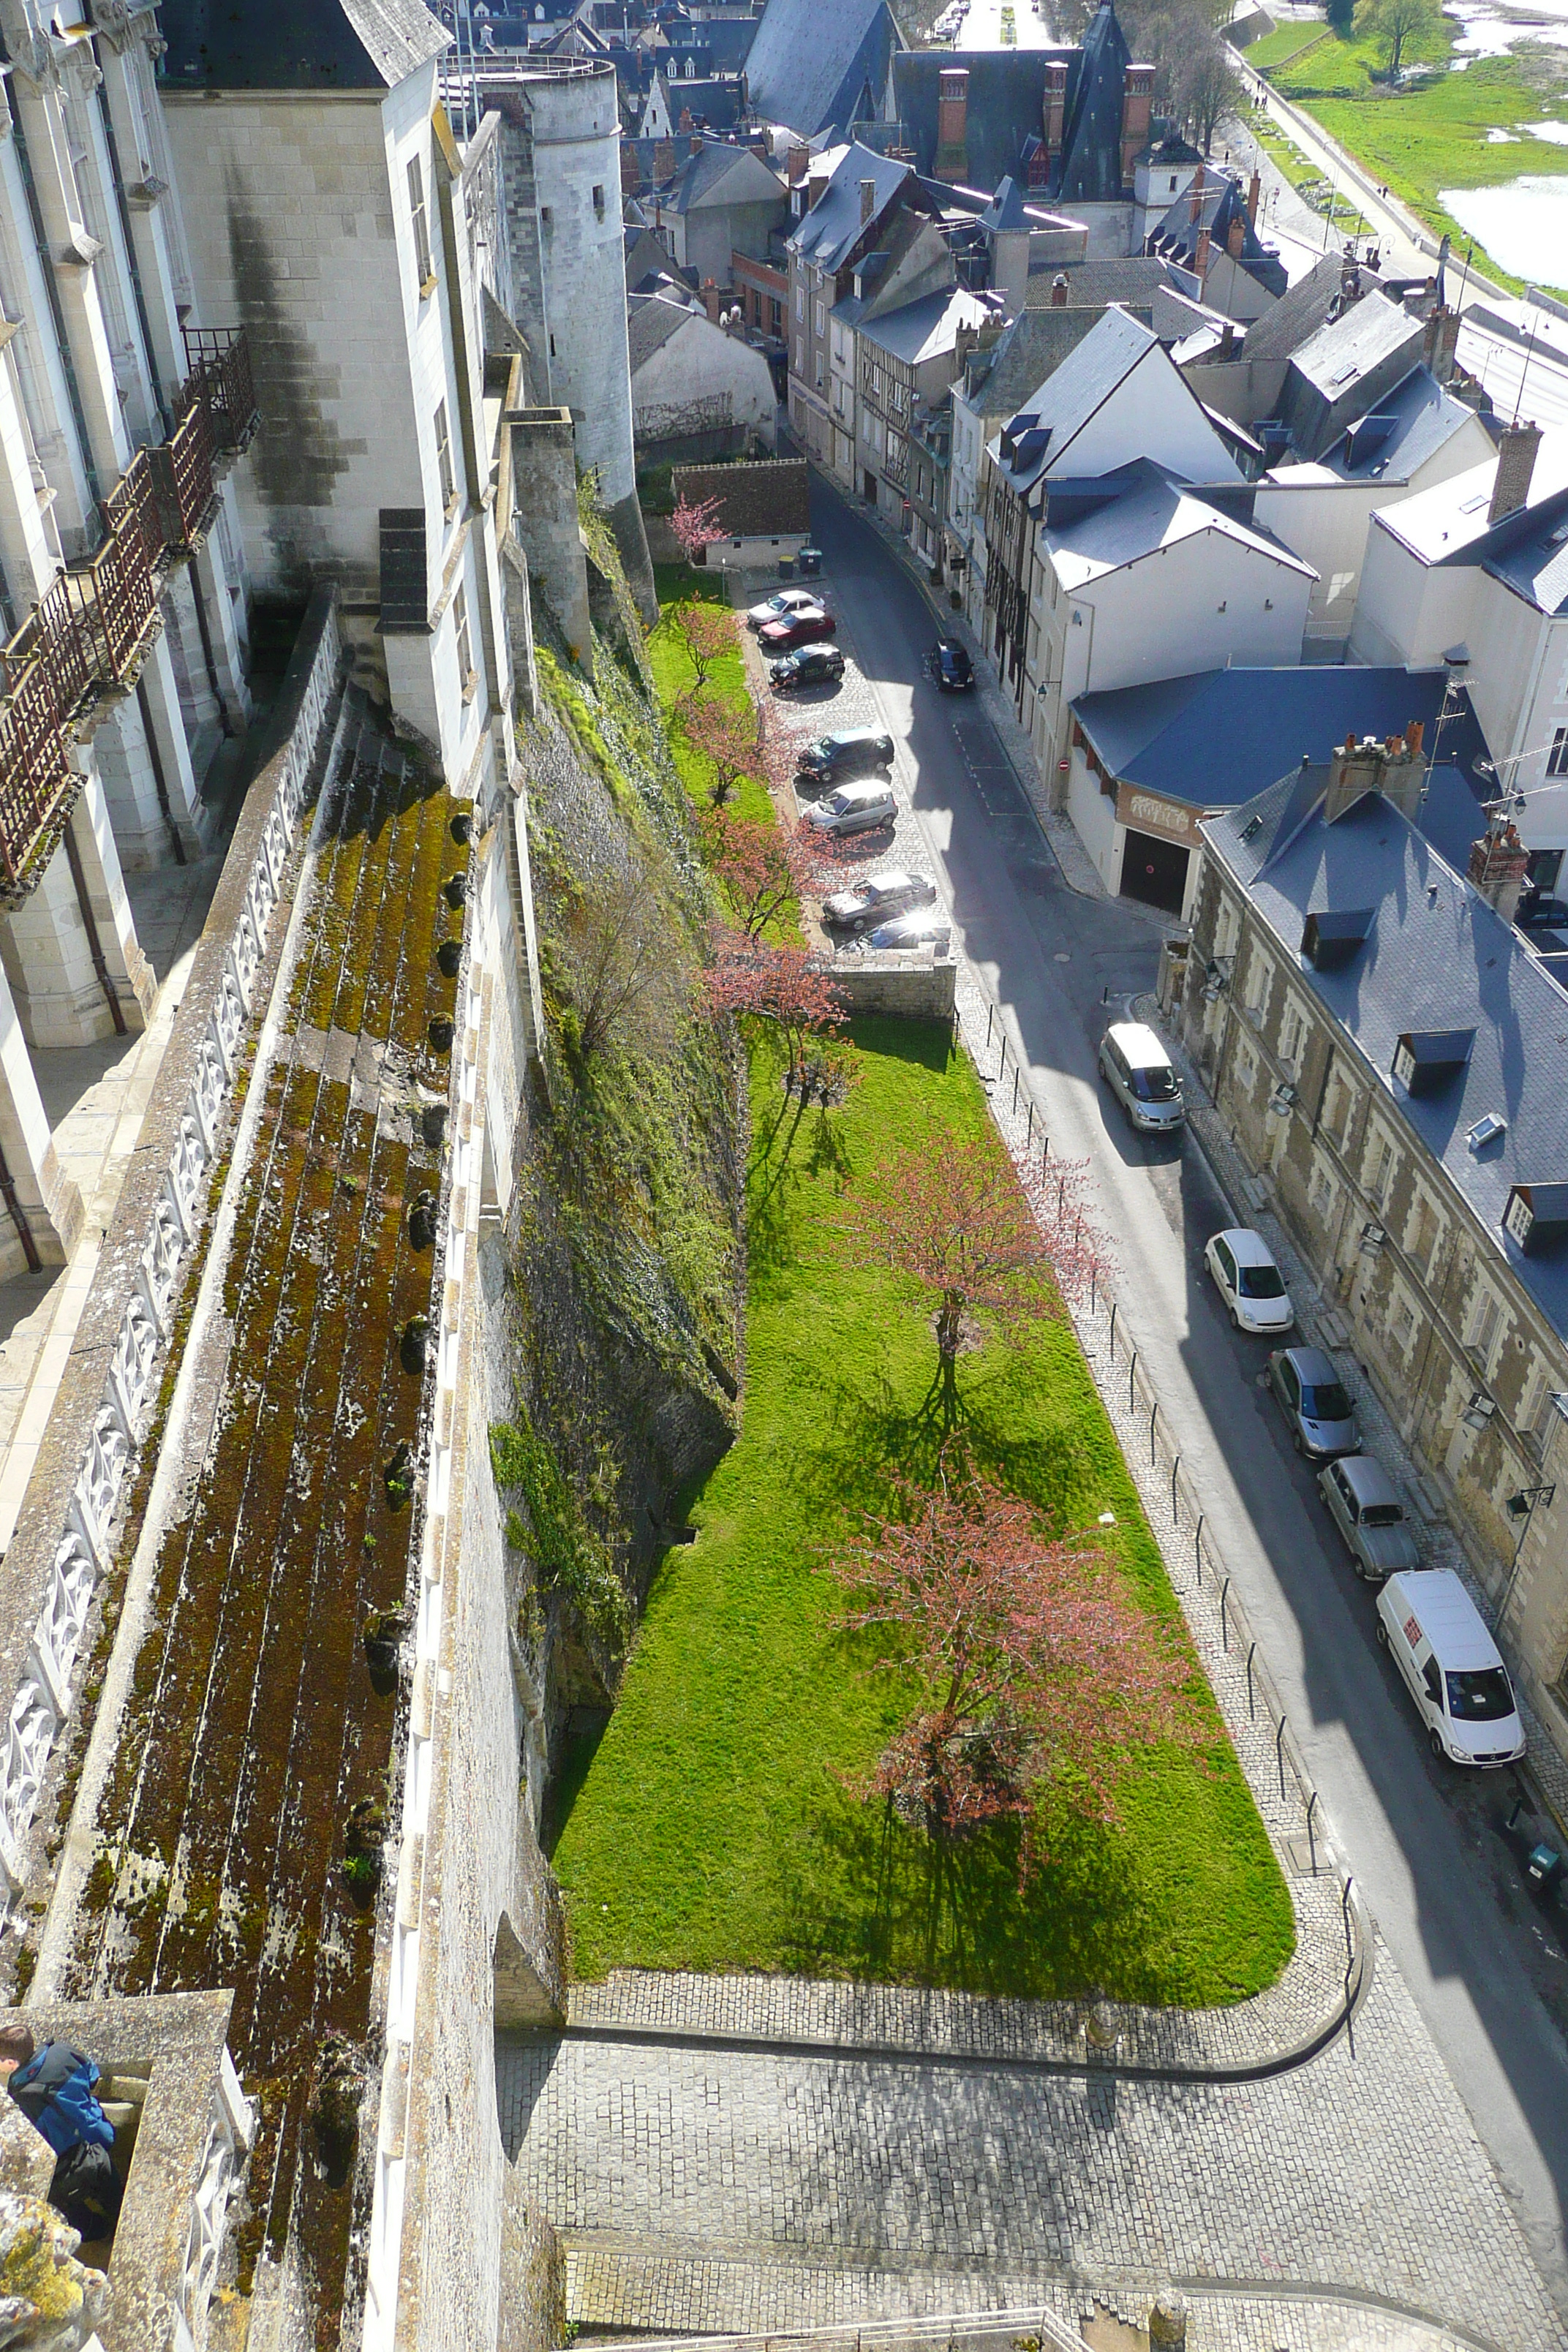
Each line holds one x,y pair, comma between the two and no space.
1154,870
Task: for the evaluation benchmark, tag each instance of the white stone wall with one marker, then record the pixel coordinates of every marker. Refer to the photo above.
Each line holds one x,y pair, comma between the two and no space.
701,381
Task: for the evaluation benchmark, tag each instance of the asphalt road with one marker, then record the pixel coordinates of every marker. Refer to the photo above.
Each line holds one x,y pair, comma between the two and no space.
1488,1974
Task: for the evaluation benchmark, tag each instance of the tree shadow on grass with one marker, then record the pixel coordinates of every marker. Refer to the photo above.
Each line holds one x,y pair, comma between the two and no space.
872,1898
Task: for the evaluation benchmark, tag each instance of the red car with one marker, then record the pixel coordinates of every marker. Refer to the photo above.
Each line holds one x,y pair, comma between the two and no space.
799,629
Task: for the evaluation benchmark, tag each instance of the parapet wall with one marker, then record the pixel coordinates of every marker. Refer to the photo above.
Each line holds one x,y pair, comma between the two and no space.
64,1533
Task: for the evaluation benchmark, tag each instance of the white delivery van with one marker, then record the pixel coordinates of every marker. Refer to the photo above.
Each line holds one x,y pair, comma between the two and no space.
1433,1632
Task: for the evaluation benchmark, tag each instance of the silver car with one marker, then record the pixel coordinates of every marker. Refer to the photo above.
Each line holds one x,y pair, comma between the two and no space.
1317,1406
878,900
853,808
1365,1505
932,926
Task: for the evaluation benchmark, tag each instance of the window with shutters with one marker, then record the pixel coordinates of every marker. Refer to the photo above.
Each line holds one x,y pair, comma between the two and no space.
466,671
1401,1320
1380,1158
1322,1193
1481,1338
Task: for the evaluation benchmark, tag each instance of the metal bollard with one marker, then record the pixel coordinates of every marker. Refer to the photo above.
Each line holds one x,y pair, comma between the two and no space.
1015,1074
1198,1545
1030,1137
990,1016
1132,1376
1280,1754
1251,1709
1113,1330
1224,1628
1154,1415
1311,1840
1176,1513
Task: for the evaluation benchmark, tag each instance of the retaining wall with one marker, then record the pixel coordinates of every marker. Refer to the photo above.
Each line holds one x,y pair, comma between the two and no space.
920,988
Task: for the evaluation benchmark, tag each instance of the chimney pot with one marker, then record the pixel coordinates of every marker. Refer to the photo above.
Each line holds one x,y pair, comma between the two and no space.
1195,194
868,201
1515,465
1499,864
1236,238
1059,291
1201,259
1226,341
799,160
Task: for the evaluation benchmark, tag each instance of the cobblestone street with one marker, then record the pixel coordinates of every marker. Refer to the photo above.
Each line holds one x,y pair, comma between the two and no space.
1358,2174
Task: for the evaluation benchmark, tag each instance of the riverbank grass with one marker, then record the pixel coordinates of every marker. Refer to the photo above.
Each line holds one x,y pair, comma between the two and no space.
716,1824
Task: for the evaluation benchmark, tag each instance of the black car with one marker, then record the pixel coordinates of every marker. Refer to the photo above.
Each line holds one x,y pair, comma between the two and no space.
810,667
852,751
948,667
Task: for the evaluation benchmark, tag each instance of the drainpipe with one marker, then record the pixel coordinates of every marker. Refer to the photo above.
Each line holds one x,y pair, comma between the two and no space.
90,923
131,264
52,291
18,1217
156,757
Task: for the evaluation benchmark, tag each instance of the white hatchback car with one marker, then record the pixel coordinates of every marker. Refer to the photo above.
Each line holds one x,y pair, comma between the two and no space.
853,808
1247,1279
783,606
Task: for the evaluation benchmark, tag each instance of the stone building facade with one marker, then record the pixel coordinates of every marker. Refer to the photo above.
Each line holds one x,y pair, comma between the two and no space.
1394,1097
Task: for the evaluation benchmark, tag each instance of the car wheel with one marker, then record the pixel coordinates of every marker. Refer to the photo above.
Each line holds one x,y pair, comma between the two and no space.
1296,1442
1359,1566
1235,1318
1435,1742
1382,1634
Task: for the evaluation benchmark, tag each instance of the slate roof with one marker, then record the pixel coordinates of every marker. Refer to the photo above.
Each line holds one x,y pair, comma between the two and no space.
1095,527
1216,737
822,65
1007,96
833,228
651,321
1341,371
1291,321
645,257
1075,390
1220,205
1393,440
764,500
1091,167
716,45
1443,962
699,178
1005,210
921,331
1528,551
1001,379
1127,279
296,44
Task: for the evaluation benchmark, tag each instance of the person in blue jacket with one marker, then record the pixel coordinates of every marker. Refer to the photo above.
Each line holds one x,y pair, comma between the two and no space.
56,2088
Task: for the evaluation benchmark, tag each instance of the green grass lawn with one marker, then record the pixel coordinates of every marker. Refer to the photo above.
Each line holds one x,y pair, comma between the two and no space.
1421,141
715,1824
1278,47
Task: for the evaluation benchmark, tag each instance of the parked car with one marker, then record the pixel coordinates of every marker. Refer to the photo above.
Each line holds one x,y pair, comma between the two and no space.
804,628
929,926
1365,1505
853,808
1247,1279
851,752
1317,1403
1137,1070
812,665
948,666
779,607
878,898
1449,1664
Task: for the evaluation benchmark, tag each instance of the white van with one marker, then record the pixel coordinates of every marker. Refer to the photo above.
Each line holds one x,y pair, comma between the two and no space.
1433,1632
1137,1070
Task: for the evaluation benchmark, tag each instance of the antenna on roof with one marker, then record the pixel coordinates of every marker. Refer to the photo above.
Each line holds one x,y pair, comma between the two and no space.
1524,371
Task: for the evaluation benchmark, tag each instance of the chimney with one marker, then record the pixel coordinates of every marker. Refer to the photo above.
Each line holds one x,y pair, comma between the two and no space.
664,162
1499,864
1059,291
696,144
1397,768
868,201
1136,105
1054,108
1226,341
1236,237
1201,258
1438,345
631,177
963,341
1195,194
684,125
815,188
1515,465
1252,194
953,122
799,161
1349,279
711,299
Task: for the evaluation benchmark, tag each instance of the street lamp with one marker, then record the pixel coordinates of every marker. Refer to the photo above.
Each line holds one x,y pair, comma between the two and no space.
1521,1507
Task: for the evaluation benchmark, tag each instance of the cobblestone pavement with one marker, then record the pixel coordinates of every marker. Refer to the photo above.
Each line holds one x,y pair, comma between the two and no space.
1357,2174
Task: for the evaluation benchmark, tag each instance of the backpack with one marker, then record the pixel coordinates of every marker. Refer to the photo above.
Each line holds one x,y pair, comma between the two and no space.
54,2092
86,2190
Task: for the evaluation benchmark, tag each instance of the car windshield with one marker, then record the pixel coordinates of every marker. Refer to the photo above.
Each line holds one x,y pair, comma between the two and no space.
1481,1696
1382,1515
1328,1402
1152,1085
1261,1282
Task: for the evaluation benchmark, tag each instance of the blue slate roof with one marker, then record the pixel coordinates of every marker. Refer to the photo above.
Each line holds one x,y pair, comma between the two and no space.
822,65
1090,169
1216,737
1007,101
1394,439
834,227
296,44
1437,957
1528,551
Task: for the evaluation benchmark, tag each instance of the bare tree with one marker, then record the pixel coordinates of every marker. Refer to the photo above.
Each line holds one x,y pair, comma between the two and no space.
1398,24
627,982
1207,87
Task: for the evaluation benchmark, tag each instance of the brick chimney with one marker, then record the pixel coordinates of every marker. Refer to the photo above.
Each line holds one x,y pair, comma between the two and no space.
1059,291
1201,258
1499,864
799,161
711,300
816,186
631,177
1252,195
1195,194
868,201
1394,768
1226,341
1438,345
696,147
664,162
1236,237
953,122
1136,105
1054,108
1515,465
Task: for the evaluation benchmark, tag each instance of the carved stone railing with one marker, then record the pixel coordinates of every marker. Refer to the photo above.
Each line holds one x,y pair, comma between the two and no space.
64,1533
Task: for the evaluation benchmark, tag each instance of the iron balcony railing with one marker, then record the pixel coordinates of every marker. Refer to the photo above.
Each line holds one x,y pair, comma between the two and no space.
89,635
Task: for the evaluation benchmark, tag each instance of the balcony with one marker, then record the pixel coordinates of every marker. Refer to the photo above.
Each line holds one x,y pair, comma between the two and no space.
90,633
